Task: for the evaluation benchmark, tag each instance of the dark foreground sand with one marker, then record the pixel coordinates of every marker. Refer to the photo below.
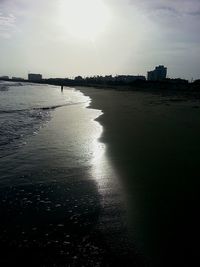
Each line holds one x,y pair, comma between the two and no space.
153,143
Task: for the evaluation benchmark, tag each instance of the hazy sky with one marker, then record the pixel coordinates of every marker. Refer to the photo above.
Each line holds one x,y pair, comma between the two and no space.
64,38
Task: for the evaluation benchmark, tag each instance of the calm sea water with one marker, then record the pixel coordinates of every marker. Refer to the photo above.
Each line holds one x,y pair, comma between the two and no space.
24,109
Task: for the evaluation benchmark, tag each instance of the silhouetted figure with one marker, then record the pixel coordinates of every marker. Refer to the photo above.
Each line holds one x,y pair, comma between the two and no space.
61,88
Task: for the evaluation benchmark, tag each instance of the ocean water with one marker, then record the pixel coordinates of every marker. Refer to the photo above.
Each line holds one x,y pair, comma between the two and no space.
60,201
23,109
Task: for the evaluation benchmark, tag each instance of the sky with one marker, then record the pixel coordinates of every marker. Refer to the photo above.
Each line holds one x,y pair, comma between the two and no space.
66,38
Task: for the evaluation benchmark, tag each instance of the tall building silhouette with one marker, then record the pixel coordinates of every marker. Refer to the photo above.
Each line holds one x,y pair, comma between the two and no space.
158,74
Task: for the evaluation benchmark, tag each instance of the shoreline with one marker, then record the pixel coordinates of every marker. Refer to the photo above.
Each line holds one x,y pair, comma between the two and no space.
167,86
113,224
60,207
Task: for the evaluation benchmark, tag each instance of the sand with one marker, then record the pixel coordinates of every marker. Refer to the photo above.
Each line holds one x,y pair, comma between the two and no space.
153,143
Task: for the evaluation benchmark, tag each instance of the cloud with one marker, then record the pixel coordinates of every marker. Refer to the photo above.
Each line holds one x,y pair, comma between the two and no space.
194,13
7,21
177,17
7,25
172,6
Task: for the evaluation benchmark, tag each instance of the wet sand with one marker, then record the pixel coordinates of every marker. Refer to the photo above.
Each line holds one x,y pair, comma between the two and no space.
153,144
49,201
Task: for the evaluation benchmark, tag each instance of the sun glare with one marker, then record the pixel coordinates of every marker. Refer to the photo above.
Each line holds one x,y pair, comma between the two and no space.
84,19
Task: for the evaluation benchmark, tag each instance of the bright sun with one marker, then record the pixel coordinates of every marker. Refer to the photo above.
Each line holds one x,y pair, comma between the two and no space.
84,19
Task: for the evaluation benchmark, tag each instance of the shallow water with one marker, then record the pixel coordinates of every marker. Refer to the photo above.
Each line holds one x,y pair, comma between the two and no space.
24,108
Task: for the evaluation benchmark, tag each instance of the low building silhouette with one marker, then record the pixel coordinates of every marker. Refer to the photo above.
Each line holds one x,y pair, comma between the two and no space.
34,77
158,74
17,78
129,78
4,77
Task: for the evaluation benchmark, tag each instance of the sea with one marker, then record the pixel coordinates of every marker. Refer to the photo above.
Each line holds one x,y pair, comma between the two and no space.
58,199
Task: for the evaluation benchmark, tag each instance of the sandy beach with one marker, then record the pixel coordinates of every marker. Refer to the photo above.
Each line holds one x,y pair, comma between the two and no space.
153,143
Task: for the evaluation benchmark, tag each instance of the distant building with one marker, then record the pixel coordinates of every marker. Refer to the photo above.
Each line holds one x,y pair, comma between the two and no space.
129,78
158,74
4,77
177,81
17,78
34,77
